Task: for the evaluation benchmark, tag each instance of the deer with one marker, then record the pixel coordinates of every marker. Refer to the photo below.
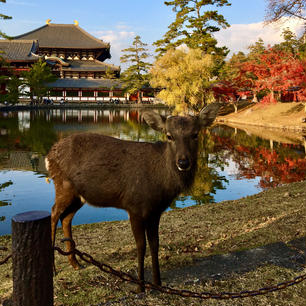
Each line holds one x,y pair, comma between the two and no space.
140,177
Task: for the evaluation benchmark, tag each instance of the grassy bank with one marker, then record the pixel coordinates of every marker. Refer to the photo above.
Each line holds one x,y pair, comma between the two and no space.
236,245
285,116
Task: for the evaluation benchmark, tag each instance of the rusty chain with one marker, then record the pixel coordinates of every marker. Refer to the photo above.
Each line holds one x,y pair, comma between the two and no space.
5,260
168,290
180,292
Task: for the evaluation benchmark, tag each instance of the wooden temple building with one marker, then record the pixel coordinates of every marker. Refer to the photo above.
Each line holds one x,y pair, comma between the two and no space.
76,57
18,56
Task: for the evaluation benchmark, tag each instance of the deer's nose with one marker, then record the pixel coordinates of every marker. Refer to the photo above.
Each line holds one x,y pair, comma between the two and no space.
183,164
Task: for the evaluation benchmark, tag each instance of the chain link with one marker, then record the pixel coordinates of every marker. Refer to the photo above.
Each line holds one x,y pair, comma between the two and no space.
5,260
180,292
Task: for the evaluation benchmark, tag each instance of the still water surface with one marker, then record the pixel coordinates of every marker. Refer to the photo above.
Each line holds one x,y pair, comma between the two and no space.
232,163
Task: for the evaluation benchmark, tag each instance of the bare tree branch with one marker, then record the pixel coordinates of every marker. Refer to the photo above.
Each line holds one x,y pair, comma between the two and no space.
276,9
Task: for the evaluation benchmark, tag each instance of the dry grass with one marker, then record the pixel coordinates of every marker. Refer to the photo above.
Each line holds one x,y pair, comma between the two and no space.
280,115
230,246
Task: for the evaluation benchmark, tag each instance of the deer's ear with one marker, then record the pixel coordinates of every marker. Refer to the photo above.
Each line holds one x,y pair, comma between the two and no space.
155,121
208,114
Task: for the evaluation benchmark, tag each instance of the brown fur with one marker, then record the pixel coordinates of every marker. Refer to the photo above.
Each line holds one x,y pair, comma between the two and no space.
142,178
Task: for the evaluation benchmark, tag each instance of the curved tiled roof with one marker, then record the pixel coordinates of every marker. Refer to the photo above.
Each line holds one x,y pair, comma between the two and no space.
89,65
19,50
64,36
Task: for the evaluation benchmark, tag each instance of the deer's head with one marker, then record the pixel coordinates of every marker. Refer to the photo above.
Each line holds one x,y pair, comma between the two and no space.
182,133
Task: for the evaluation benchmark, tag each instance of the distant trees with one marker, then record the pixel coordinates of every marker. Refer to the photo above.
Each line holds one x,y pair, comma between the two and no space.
184,78
270,72
292,44
135,77
275,71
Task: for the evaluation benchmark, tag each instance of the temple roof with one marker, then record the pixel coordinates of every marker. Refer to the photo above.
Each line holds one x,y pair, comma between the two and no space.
86,83
20,50
88,65
67,36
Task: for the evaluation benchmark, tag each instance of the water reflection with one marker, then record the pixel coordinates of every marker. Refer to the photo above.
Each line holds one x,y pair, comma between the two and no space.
4,202
232,163
273,162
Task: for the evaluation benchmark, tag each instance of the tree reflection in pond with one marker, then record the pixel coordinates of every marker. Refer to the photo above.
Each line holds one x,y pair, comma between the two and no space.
273,163
208,179
4,202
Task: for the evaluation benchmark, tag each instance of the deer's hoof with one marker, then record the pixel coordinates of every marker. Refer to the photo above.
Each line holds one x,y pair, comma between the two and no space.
76,266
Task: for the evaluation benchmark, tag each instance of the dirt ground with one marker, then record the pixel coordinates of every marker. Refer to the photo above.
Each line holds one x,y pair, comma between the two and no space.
285,116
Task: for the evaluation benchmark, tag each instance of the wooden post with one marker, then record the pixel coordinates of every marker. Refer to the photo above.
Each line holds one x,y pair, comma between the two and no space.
32,259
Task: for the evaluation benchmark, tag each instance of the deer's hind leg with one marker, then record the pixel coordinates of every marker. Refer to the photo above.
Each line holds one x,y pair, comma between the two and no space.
67,203
66,219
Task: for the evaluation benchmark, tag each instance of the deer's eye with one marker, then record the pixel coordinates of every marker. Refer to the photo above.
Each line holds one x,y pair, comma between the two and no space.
169,137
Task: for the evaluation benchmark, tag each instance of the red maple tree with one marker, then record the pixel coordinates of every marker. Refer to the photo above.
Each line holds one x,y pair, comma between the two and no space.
231,91
275,71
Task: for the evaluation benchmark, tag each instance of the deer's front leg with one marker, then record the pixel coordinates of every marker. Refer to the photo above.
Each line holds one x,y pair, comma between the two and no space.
152,225
138,229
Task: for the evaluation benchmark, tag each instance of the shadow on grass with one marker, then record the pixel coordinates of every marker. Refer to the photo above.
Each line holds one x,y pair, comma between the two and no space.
221,267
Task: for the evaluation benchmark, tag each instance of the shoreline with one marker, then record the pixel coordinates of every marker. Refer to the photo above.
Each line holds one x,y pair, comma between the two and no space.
242,119
237,123
78,106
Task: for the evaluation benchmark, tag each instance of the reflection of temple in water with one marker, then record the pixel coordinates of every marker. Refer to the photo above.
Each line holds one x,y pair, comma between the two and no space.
22,161
39,129
81,115
94,116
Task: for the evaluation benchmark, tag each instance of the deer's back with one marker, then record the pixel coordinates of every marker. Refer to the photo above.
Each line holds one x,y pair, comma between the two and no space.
110,172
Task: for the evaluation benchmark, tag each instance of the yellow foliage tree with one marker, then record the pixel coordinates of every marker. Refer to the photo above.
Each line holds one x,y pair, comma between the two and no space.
185,78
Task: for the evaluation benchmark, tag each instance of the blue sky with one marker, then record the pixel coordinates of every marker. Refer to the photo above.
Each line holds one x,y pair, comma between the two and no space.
119,21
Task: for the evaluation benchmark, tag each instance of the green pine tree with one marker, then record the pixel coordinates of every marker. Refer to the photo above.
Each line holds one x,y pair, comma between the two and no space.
194,26
37,78
292,44
135,77
13,86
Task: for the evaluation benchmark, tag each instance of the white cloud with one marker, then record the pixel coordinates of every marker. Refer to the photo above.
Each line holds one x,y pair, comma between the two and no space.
118,39
239,36
123,26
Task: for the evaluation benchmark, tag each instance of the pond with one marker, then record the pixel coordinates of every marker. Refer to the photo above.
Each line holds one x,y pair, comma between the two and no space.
232,163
